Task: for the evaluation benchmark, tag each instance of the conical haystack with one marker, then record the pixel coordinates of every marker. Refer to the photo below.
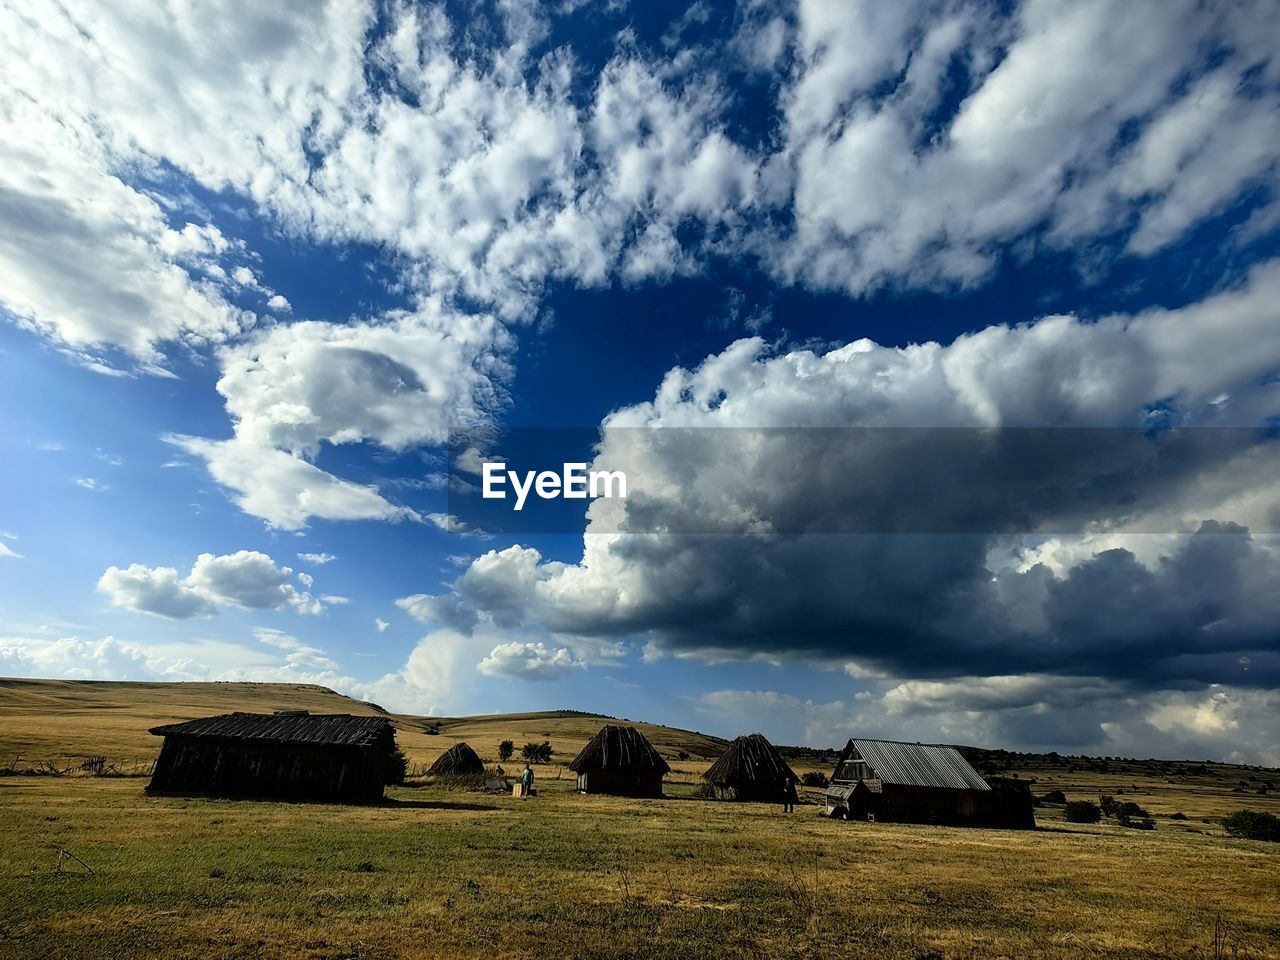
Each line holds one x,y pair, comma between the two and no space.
459,760
749,769
621,761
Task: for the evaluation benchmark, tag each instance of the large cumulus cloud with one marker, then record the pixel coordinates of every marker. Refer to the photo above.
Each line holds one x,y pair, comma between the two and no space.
1166,589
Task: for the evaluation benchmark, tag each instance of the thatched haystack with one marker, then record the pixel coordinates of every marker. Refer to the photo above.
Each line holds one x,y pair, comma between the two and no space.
749,769
458,761
619,760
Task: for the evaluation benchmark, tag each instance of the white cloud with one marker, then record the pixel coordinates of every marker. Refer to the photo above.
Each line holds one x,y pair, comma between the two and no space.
76,659
86,259
424,685
317,559
381,624
284,490
400,383
491,174
7,551
297,653
528,661
89,483
246,579
487,174
880,198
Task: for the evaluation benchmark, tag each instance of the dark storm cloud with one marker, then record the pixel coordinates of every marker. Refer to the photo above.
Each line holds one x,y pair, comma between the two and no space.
973,548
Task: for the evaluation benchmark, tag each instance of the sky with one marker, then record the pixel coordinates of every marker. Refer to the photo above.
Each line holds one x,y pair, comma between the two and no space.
261,263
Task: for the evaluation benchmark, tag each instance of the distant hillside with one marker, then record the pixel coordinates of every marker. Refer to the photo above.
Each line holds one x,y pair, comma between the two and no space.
68,720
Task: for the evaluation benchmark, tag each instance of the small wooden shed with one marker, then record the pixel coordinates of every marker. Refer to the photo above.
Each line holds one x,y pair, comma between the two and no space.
620,760
751,768
922,783
289,755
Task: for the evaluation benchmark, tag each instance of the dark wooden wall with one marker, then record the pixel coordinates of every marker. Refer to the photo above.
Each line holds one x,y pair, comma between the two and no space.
750,790
1001,806
270,770
622,783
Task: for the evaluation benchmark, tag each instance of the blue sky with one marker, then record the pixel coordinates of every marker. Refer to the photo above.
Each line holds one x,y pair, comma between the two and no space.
257,262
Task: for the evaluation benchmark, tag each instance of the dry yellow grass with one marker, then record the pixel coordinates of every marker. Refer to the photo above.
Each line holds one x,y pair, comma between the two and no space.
446,873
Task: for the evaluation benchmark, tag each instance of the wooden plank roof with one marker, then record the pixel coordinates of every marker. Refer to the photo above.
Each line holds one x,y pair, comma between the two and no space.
321,729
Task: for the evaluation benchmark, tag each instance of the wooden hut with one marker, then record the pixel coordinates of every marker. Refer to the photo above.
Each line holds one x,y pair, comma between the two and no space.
922,783
291,755
621,761
749,769
458,761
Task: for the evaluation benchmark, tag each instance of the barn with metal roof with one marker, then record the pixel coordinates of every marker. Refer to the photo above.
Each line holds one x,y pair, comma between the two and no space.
922,783
291,755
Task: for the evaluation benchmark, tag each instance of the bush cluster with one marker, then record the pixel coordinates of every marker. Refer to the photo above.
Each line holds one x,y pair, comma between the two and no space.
537,752
1253,825
1126,813
397,767
1082,811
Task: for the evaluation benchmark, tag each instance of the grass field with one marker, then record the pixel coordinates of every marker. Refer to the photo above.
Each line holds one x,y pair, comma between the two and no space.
439,872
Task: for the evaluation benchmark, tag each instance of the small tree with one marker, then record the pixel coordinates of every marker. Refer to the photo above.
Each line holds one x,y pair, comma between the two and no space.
1081,811
813,778
505,749
537,752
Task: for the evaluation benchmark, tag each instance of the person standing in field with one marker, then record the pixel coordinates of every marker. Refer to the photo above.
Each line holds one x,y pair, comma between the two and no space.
789,796
526,782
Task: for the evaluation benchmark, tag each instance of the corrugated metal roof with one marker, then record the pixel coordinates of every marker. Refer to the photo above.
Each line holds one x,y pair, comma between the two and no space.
919,764
331,729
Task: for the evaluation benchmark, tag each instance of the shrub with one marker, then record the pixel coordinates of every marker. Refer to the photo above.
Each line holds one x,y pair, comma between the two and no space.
814,778
397,767
1129,814
1081,811
1054,796
1109,805
1253,825
505,749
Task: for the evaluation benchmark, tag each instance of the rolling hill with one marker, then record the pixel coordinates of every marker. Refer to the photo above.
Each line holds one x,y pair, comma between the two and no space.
66,721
